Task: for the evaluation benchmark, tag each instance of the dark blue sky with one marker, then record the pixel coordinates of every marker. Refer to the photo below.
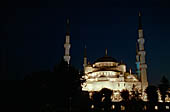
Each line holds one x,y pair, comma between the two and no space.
35,33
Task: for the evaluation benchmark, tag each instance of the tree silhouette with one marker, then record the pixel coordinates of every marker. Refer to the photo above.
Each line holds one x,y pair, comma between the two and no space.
152,94
96,101
125,95
152,97
102,100
57,86
163,88
125,99
61,67
107,101
135,101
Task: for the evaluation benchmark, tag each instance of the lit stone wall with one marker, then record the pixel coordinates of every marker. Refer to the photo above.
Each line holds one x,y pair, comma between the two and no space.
109,75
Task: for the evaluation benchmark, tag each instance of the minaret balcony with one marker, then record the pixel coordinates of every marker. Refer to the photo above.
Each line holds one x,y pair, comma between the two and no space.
143,66
140,31
67,45
143,53
141,41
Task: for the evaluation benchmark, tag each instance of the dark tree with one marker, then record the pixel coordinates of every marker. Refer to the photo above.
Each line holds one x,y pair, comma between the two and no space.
135,102
126,99
107,101
163,87
152,97
59,86
152,94
96,101
102,100
125,95
61,67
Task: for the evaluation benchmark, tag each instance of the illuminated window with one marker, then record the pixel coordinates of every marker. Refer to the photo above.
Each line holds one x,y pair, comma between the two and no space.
156,107
167,107
145,107
122,107
103,98
113,106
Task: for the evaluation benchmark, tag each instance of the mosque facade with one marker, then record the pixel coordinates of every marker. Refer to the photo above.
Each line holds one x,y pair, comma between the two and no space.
107,72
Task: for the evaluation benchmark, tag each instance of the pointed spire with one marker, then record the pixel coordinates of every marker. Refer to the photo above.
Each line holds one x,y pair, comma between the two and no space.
139,13
85,51
68,21
68,27
121,62
85,57
130,71
140,21
106,52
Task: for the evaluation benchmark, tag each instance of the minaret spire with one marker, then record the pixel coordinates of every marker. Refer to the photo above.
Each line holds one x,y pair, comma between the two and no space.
141,55
67,44
140,20
85,57
106,52
85,51
68,27
130,71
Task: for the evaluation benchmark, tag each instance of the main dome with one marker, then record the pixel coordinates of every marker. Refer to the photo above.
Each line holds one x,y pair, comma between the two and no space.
106,59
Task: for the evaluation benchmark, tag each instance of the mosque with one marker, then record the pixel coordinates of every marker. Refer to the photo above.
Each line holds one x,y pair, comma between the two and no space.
107,72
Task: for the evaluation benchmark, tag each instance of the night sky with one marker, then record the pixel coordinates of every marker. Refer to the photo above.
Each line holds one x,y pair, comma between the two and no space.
33,33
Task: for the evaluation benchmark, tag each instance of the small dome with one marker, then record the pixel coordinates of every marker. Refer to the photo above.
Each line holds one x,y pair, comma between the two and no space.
106,59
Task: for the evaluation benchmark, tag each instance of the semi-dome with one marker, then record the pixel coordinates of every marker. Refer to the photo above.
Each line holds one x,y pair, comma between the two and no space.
106,59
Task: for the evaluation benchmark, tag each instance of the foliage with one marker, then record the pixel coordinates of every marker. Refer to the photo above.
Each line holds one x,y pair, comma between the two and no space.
163,87
152,94
102,100
125,95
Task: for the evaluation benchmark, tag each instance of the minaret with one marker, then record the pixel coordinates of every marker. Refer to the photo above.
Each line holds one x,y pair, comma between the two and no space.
106,52
137,62
85,57
130,71
67,44
141,54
